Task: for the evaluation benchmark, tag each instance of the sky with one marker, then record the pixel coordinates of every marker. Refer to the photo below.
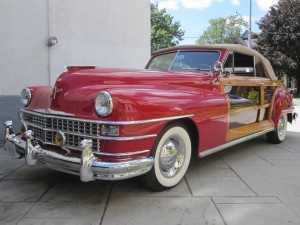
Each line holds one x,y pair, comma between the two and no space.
194,15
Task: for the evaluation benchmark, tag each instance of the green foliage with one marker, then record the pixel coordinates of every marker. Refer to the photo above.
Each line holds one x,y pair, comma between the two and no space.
164,32
222,30
279,40
254,97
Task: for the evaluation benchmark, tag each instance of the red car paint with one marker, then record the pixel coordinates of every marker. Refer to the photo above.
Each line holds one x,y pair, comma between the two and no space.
146,95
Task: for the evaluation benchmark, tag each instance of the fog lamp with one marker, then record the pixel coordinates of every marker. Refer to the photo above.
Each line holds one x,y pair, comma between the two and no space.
60,138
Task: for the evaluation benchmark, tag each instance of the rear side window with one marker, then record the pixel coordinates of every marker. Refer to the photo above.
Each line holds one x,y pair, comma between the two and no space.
244,65
260,70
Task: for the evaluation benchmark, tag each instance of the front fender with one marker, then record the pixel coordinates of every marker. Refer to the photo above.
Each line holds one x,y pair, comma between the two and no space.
140,104
41,97
208,109
130,102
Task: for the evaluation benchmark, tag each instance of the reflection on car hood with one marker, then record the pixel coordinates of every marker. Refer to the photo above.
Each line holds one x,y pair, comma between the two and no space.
77,88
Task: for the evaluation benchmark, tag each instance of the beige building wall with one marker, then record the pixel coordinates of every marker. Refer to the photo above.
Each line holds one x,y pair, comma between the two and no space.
107,33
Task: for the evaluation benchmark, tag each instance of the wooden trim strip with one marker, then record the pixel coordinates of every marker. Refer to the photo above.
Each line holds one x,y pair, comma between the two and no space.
250,108
232,143
243,131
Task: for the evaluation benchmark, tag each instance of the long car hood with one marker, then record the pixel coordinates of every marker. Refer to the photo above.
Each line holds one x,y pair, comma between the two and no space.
105,76
77,88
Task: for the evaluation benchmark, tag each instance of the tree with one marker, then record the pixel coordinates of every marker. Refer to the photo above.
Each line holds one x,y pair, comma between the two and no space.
164,32
222,30
279,40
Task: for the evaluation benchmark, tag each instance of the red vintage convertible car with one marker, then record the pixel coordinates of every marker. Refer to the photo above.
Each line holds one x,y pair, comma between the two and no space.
112,124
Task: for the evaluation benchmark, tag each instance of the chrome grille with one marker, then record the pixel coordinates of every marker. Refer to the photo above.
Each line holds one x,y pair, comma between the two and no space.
35,119
72,126
46,126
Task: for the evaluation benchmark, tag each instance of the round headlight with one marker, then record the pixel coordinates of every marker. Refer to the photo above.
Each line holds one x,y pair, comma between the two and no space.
103,103
25,96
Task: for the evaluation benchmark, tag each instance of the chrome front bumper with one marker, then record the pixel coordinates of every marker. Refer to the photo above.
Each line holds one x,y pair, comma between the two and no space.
88,167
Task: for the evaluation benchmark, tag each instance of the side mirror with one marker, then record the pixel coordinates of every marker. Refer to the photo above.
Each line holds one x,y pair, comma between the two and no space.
219,67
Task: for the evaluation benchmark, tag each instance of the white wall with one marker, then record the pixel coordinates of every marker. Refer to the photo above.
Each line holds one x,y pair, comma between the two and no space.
108,33
23,30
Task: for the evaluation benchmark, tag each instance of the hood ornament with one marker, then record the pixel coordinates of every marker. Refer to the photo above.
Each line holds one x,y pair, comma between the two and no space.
55,91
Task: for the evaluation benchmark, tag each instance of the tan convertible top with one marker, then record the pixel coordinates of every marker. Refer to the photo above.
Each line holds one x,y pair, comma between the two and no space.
233,47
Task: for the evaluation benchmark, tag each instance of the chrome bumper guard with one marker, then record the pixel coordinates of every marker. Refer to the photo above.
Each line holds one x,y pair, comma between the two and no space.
88,167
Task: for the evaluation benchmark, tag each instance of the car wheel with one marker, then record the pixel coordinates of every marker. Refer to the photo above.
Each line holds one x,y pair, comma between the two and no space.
172,154
278,135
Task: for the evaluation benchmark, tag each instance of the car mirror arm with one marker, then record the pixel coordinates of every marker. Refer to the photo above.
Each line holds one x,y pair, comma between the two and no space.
219,67
218,71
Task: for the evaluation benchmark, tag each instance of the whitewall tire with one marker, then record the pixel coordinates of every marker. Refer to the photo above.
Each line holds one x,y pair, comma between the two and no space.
172,154
278,135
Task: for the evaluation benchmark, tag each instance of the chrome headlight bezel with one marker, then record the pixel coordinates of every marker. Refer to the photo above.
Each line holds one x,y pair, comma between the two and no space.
103,104
26,96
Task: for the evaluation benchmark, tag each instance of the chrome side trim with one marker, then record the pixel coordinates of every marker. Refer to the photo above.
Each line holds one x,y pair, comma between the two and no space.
146,121
232,143
127,138
122,154
134,122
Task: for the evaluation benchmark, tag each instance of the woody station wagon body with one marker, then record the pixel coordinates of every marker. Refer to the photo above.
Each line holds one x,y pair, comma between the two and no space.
112,124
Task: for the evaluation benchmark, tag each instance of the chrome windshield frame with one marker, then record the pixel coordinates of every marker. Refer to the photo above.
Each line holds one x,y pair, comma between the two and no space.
176,55
174,60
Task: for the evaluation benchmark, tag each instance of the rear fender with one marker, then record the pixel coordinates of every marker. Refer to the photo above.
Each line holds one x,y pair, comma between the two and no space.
282,104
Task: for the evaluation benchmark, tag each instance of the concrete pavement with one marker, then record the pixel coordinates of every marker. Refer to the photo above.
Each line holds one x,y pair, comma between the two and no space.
254,183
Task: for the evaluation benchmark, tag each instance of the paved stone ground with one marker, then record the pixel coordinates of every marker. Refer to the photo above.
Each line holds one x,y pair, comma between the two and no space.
254,183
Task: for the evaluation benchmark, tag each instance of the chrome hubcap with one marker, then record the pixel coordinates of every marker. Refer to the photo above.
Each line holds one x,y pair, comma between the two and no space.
172,156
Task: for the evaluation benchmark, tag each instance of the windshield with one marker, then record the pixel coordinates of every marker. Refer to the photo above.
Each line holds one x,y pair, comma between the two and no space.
185,60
